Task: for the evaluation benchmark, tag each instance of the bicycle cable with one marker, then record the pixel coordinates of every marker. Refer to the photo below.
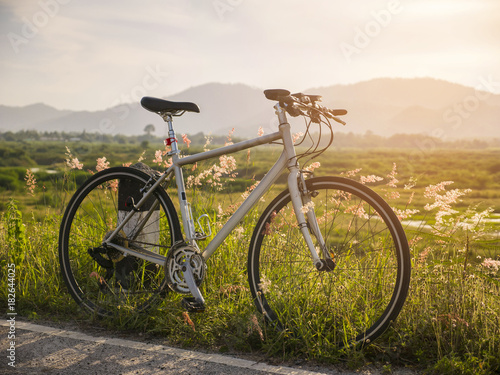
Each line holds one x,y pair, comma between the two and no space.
313,113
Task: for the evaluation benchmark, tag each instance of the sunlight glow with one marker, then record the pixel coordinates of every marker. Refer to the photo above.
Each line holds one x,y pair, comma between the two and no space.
441,8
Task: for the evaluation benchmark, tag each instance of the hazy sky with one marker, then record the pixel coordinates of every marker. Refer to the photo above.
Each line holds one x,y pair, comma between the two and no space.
76,54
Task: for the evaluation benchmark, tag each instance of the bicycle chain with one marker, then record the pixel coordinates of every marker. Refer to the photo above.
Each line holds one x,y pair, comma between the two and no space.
148,244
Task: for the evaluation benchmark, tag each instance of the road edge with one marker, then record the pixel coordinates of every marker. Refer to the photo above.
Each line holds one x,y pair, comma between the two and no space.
181,353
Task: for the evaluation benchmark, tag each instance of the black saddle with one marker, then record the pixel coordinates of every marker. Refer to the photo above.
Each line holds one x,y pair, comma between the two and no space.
164,106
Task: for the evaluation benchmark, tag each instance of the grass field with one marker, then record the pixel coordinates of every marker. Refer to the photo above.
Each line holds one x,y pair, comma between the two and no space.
450,323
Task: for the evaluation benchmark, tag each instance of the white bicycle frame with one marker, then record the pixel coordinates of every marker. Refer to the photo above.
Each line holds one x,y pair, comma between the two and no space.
286,160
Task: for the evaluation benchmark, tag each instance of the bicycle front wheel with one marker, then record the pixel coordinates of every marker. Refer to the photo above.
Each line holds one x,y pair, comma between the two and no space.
100,278
354,303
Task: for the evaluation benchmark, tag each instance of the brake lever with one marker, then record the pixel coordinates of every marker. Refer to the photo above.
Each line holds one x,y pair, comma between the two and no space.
338,120
332,112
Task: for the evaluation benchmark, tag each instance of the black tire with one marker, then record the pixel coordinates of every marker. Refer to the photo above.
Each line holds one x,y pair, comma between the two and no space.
102,280
357,301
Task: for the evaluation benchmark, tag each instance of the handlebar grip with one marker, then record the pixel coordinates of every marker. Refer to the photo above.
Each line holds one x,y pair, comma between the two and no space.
338,120
338,112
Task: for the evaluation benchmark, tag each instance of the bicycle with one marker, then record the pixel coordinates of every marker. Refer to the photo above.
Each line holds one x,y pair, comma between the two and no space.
328,250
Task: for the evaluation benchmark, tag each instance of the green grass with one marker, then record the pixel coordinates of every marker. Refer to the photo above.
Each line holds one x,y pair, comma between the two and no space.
451,320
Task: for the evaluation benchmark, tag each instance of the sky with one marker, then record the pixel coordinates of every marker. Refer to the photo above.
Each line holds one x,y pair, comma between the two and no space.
94,54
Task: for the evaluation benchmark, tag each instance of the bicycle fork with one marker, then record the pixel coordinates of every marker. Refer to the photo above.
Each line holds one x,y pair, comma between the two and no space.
308,222
302,203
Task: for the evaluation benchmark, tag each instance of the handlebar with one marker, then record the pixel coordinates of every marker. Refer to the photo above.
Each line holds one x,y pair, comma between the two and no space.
300,104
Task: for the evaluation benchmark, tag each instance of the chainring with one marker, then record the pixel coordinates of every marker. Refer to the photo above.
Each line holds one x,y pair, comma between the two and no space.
174,265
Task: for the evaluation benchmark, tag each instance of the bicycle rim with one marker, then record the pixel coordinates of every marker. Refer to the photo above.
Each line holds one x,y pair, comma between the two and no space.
101,279
354,303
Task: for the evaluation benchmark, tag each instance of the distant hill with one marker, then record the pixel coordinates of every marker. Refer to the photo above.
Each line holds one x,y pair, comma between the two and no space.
382,106
416,106
28,117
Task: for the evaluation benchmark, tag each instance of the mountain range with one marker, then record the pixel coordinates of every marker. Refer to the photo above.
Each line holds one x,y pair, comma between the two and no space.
384,106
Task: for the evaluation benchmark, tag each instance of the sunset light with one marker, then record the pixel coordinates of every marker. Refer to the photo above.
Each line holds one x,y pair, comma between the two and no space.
250,187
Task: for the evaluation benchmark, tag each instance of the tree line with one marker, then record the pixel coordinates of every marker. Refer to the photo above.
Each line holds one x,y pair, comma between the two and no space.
342,140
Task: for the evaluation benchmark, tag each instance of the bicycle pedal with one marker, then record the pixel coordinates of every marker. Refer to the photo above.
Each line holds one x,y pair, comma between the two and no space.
192,305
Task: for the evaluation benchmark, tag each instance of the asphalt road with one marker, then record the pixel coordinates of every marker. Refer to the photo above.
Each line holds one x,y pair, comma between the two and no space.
38,349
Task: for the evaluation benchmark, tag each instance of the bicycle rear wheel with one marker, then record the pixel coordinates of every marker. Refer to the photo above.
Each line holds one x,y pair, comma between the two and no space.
100,278
354,303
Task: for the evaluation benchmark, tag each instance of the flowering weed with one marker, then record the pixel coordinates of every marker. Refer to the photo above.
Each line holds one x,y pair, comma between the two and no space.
30,182
450,321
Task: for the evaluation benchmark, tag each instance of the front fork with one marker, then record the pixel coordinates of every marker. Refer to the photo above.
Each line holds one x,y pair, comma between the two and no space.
301,200
307,220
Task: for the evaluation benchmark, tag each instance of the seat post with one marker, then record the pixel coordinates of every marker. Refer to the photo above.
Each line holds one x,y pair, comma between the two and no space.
186,215
171,140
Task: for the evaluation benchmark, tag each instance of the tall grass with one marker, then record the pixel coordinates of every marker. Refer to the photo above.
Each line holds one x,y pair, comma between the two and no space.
449,325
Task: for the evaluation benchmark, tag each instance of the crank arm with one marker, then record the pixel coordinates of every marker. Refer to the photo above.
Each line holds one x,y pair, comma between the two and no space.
189,278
